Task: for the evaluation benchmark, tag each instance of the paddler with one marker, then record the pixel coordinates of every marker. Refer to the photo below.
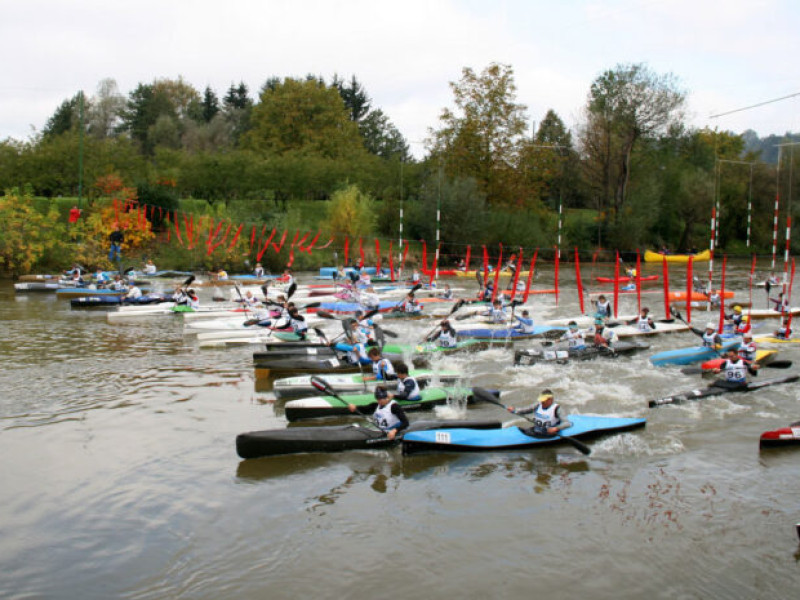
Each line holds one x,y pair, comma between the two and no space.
747,349
604,336
407,386
298,323
784,332
736,370
524,323
389,416
410,305
446,337
497,312
192,299
574,337
368,300
603,307
288,278
711,339
447,293
364,280
644,322
382,368
134,293
150,268
547,416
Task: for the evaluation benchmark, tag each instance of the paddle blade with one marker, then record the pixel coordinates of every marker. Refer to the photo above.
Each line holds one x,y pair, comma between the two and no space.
779,364
457,305
415,288
387,332
291,291
321,334
313,305
188,281
486,396
370,314
322,385
324,314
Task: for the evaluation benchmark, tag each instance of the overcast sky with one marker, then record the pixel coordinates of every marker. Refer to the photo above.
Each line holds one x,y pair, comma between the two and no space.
726,55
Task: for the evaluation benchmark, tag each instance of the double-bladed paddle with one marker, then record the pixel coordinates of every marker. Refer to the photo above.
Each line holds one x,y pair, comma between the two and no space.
456,306
487,396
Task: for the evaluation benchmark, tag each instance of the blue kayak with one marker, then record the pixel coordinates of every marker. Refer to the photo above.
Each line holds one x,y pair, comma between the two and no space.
511,438
693,354
111,301
485,333
353,307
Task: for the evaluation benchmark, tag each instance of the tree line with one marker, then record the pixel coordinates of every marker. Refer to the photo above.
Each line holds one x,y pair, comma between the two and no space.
631,174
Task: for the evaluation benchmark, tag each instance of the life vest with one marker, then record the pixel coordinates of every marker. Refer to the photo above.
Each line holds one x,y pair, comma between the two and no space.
410,384
525,325
134,293
384,418
194,302
709,339
498,315
383,369
299,326
447,340
546,417
357,353
735,371
575,339
748,351
604,308
643,323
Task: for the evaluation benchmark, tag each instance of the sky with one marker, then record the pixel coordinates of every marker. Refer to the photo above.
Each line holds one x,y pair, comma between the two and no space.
725,55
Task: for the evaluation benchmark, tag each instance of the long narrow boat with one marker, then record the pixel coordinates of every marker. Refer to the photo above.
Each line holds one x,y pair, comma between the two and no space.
42,286
626,279
113,302
511,334
329,406
656,257
692,354
76,292
301,386
680,296
763,357
785,436
548,355
512,438
713,390
337,438
771,339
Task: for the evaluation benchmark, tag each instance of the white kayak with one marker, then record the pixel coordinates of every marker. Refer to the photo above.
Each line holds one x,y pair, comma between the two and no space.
253,338
236,323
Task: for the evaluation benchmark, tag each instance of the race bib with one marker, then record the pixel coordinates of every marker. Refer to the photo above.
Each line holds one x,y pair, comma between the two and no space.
442,437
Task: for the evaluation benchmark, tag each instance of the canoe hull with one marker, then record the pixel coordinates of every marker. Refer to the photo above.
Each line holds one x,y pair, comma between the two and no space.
712,390
655,257
512,438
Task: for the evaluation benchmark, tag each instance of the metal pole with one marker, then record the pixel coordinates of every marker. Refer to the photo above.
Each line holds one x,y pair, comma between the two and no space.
80,152
558,248
400,252
438,223
750,205
777,208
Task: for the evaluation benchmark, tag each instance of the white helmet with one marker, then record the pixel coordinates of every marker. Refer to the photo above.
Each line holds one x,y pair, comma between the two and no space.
710,325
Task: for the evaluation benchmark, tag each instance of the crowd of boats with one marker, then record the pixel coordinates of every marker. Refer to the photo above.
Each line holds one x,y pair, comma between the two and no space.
327,349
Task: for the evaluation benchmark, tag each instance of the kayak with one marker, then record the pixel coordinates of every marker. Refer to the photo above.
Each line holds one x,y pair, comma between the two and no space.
762,357
115,301
692,354
680,296
785,436
328,406
626,279
771,339
512,438
533,356
716,391
336,438
650,256
509,333
262,335
491,273
76,292
469,345
41,286
301,386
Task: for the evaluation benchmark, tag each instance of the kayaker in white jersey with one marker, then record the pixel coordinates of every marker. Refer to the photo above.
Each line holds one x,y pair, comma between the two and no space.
150,268
604,336
748,349
735,369
389,416
548,417
603,307
382,368
446,337
134,293
258,271
574,337
644,322
407,386
524,323
711,338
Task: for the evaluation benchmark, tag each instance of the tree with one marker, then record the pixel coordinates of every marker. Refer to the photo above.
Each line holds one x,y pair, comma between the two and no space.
483,137
351,213
303,116
382,138
26,235
625,104
210,105
354,96
65,118
237,107
104,111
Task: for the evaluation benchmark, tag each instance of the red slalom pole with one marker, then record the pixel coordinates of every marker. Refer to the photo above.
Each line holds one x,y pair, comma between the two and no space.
530,276
578,278
516,274
616,285
689,289
497,274
558,256
638,279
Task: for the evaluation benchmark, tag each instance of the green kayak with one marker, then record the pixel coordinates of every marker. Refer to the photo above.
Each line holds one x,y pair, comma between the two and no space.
326,406
468,345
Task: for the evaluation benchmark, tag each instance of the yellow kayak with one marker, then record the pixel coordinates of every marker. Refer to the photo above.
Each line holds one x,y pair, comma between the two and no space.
771,339
504,272
655,257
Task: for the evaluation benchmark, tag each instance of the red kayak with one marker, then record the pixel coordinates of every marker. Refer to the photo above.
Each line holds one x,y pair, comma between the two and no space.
785,436
626,279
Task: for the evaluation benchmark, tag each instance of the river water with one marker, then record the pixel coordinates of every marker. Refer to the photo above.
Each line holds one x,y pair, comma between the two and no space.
120,480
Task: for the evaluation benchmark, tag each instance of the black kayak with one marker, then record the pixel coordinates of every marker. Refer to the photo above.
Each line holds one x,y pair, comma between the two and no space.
533,356
714,390
335,438
114,301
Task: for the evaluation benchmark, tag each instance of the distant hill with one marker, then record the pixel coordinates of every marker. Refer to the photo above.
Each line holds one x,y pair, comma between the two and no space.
768,146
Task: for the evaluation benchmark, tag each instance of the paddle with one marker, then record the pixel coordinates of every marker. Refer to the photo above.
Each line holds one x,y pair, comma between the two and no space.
487,396
323,386
676,313
456,306
244,303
